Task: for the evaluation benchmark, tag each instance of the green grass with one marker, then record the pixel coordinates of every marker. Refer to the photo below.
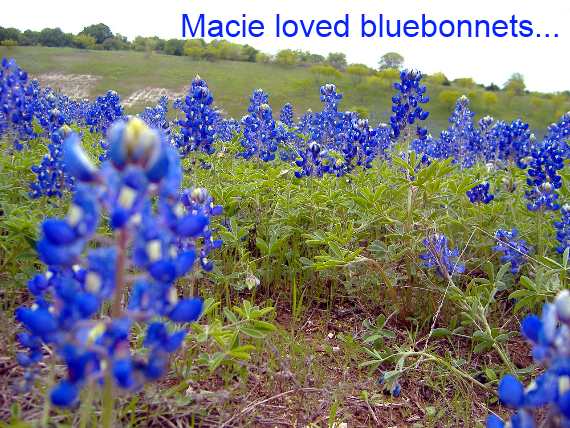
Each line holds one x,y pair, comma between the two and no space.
233,82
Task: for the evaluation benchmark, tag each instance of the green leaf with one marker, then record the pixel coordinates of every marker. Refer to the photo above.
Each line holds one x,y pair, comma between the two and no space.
230,316
441,332
252,332
263,326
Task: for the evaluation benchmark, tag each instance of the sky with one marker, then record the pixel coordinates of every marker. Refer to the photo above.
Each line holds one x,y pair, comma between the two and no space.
544,62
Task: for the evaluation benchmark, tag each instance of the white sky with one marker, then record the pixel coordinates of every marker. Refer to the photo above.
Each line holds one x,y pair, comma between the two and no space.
544,62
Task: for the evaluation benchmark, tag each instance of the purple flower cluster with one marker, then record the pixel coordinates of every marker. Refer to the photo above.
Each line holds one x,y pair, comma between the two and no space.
157,117
197,126
261,133
480,193
549,336
407,103
515,251
156,230
439,256
17,97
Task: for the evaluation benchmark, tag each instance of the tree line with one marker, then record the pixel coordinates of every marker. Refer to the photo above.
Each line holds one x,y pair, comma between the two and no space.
100,37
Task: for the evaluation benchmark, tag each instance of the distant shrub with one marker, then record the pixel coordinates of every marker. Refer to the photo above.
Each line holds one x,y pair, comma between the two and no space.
287,57
84,41
490,98
389,74
325,70
263,58
465,82
448,97
8,43
376,83
438,79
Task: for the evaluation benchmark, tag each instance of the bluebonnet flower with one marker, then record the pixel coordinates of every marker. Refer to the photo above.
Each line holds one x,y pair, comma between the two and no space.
142,167
439,256
505,142
261,134
226,129
325,125
17,97
461,141
105,110
286,115
542,197
563,229
515,251
560,131
549,336
199,201
406,105
329,135
51,179
545,160
157,117
465,139
304,123
197,127
480,193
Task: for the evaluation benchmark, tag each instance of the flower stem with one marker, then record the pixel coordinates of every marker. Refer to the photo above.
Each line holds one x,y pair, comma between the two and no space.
539,245
116,308
86,407
47,401
108,403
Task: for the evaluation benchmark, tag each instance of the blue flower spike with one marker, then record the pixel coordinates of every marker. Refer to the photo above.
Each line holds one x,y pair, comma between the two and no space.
160,231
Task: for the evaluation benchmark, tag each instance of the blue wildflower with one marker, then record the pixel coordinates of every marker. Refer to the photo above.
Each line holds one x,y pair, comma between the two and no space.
563,229
197,126
406,105
515,251
480,193
549,337
439,256
157,240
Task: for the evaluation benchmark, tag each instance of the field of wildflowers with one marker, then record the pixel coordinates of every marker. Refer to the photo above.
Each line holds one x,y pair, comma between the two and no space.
183,268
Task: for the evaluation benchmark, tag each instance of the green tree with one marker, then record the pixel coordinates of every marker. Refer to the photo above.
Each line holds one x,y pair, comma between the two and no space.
306,57
116,43
389,74
54,37
84,41
324,72
438,78
195,48
490,99
357,72
337,60
10,34
100,32
174,47
30,38
222,49
286,57
148,44
263,58
465,82
516,84
391,60
249,53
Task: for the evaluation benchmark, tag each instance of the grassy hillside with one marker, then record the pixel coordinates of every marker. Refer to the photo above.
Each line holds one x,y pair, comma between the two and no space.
232,82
